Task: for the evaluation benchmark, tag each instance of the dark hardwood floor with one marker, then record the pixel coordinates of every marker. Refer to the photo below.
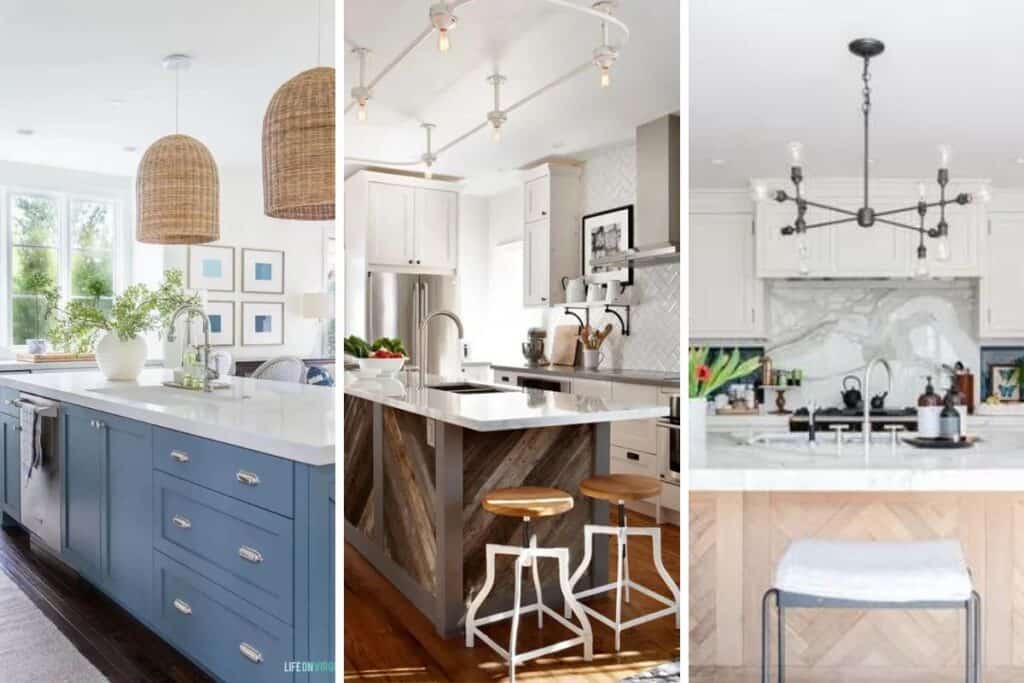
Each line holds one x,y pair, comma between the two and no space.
387,639
119,646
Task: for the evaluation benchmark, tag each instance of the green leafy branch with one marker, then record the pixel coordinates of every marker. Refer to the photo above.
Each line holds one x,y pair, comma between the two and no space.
704,378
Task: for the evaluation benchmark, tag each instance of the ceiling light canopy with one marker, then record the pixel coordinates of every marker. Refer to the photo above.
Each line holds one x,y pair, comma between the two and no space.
604,54
298,146
177,189
866,216
442,19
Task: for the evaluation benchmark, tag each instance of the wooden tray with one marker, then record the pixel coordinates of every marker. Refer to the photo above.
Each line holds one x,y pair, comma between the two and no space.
53,357
921,442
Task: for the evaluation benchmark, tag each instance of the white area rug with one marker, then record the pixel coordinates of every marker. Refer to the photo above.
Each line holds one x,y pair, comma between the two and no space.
32,649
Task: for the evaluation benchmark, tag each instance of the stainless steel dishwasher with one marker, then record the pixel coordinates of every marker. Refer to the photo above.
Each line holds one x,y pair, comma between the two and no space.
41,492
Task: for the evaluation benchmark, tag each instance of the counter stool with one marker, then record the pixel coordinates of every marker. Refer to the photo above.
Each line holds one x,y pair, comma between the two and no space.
529,502
619,488
815,573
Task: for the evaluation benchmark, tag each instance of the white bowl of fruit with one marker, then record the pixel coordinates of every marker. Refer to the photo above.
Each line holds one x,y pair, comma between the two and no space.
385,355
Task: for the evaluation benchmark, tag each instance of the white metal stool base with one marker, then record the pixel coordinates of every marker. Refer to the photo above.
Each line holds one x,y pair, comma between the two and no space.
527,557
623,583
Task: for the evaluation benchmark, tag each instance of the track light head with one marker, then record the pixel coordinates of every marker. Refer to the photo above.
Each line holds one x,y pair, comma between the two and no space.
442,19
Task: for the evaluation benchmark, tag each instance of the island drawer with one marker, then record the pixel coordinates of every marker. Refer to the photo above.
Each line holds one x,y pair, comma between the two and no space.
6,395
256,478
224,634
632,461
241,547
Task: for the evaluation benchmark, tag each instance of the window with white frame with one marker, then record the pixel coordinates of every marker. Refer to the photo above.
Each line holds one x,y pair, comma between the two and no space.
57,241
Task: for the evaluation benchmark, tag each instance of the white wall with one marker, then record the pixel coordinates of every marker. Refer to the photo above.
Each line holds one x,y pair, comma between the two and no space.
243,224
472,275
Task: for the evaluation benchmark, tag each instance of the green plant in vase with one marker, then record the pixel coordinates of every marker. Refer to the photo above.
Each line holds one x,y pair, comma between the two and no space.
704,378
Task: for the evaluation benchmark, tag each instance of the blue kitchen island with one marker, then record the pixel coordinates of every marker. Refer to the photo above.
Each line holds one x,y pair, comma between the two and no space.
209,517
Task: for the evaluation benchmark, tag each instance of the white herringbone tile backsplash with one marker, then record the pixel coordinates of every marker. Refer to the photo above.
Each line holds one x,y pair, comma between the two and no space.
609,180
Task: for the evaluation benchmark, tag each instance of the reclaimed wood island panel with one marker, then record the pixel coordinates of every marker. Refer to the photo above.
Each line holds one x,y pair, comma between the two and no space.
413,491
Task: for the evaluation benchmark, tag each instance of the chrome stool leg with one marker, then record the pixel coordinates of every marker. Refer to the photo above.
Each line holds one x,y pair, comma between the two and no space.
520,561
625,549
766,648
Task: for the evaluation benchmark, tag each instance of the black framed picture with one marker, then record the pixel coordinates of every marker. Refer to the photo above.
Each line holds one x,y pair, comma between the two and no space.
607,233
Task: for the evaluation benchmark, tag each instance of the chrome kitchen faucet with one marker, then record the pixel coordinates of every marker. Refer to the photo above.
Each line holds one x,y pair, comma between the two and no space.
867,400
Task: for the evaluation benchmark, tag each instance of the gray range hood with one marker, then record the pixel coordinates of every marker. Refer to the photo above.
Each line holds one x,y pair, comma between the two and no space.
656,225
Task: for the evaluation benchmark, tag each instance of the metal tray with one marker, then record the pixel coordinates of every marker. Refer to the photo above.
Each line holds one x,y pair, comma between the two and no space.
921,442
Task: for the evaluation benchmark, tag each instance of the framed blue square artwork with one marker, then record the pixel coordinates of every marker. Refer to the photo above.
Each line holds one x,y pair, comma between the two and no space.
262,323
211,268
263,271
222,322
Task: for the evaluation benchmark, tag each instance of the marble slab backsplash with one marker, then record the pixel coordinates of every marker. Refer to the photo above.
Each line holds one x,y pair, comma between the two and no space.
834,329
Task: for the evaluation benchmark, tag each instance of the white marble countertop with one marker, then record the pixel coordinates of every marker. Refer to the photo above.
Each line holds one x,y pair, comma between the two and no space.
787,463
511,408
289,420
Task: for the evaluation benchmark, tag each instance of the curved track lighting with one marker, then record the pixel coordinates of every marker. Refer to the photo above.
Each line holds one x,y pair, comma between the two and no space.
496,117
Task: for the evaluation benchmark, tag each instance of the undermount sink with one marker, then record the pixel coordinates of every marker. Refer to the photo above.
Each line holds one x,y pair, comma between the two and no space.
467,388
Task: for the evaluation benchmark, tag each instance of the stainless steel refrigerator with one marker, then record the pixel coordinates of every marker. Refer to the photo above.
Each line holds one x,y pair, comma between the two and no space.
396,303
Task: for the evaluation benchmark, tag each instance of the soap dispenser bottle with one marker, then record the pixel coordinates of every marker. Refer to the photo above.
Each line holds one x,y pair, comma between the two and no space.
929,406
949,420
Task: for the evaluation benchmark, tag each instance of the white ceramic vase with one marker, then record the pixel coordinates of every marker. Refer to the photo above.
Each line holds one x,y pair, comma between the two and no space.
121,360
698,424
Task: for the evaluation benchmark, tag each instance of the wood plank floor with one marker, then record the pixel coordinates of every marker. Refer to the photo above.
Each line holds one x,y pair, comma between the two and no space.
387,639
122,648
799,675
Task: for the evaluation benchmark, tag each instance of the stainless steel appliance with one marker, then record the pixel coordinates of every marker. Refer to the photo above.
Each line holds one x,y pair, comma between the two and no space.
41,492
853,418
396,304
554,384
668,449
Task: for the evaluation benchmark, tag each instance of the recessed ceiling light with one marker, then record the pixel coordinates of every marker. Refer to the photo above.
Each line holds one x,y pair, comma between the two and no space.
115,101
871,162
558,145
718,162
129,148
25,131
1020,160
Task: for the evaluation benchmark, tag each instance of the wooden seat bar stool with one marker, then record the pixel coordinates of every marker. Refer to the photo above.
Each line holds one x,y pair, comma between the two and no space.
529,503
619,488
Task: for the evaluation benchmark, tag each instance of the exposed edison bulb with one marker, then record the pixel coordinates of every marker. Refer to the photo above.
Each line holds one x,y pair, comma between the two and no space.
942,248
361,114
984,193
428,173
921,267
496,135
945,156
796,153
606,77
922,192
442,40
803,252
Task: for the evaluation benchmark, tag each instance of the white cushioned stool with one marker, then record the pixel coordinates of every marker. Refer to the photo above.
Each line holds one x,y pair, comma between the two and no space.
818,573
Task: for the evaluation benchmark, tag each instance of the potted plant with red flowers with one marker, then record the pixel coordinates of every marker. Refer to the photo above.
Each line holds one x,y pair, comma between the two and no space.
706,377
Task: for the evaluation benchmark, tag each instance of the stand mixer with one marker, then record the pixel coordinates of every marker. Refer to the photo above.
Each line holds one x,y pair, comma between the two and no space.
533,347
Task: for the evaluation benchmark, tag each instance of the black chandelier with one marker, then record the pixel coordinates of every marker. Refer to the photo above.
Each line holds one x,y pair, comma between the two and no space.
866,217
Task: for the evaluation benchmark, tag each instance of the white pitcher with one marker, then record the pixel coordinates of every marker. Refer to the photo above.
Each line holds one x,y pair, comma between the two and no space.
575,290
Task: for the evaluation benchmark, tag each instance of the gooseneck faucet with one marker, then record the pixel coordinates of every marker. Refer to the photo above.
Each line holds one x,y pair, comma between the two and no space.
423,340
866,428
195,309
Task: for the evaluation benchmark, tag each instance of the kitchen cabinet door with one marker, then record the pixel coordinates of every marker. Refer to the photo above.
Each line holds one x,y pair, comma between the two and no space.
635,435
436,221
537,196
726,300
778,254
1002,281
878,251
593,388
85,496
129,505
536,270
391,229
10,472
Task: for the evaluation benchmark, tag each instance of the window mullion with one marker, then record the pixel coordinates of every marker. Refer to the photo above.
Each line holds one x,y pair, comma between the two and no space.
64,247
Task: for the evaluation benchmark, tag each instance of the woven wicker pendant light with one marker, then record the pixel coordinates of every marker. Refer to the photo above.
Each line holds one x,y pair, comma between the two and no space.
177,191
298,145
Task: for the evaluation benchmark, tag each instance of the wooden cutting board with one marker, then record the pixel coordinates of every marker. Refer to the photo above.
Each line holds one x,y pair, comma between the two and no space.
563,348
54,357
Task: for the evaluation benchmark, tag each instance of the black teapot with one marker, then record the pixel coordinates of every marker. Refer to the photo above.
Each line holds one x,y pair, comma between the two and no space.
852,398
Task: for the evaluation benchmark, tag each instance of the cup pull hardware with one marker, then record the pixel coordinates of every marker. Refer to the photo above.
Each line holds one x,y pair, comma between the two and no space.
182,606
181,522
179,456
250,653
250,554
247,478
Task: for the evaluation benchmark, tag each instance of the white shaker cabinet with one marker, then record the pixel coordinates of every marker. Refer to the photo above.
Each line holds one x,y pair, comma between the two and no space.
551,231
726,296
1002,285
778,255
637,435
411,228
593,388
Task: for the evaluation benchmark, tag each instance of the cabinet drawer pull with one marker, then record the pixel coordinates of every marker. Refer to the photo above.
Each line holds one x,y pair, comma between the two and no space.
181,522
182,606
179,456
250,554
247,478
250,653
632,456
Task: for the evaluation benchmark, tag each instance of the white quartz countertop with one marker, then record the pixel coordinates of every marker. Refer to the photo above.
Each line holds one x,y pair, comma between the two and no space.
786,463
288,420
511,408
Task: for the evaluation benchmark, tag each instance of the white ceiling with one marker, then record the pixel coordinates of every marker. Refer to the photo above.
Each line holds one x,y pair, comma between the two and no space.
762,74
532,43
86,76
